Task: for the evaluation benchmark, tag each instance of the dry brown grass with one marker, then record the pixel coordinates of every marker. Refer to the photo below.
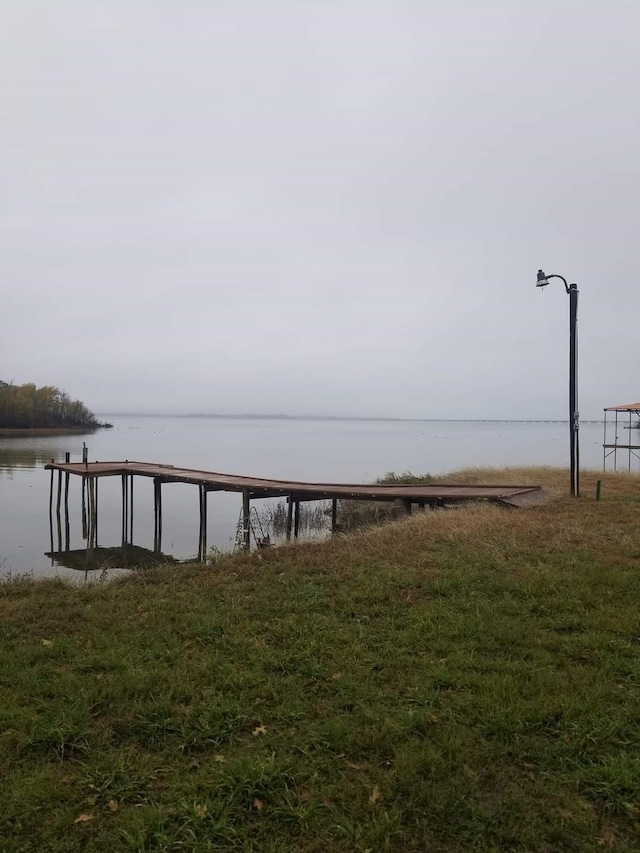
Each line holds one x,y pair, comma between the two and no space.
415,542
554,480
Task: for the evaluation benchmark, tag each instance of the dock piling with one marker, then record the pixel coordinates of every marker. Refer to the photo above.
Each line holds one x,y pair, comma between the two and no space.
296,519
131,509
51,511
289,516
157,513
58,503
202,539
205,499
246,519
59,498
95,511
125,509
67,532
67,526
85,532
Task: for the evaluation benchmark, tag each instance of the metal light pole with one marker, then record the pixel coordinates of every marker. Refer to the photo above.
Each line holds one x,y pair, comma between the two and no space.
574,419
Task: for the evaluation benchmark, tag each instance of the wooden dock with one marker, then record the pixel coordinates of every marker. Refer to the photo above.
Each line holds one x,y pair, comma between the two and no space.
295,492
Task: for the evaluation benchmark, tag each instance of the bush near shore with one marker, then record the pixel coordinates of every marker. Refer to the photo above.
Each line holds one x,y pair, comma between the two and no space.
464,680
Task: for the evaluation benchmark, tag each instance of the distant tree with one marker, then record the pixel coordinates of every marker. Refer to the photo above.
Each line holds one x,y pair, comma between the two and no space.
28,407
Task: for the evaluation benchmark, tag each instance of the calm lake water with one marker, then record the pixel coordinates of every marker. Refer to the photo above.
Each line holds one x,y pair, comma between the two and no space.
348,451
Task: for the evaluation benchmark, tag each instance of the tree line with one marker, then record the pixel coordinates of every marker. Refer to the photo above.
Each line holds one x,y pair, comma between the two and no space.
29,407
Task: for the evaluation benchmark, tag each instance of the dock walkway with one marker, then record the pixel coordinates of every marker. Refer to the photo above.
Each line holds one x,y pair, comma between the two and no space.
262,488
432,494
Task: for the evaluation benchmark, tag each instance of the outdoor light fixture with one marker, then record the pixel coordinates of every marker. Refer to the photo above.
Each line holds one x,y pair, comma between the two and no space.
574,420
543,281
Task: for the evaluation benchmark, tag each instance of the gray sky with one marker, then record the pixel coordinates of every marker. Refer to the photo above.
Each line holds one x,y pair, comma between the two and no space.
320,206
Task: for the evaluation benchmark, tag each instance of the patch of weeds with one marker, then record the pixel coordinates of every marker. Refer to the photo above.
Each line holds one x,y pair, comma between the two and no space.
210,727
614,784
154,727
118,781
64,735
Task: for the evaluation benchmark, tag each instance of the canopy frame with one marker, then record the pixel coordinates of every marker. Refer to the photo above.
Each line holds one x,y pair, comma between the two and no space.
616,418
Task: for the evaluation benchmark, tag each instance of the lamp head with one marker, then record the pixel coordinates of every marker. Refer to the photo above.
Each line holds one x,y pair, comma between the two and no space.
543,281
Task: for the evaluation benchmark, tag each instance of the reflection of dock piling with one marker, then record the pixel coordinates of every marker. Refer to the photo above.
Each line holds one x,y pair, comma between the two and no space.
251,488
62,508
131,556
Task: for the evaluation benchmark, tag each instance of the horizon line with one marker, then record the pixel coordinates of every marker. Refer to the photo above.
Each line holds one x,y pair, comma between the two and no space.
283,417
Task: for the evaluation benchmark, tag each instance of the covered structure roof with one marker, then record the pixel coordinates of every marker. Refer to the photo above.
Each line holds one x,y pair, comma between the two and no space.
627,407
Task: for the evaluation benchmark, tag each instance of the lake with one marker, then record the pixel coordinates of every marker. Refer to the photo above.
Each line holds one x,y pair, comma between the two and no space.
300,449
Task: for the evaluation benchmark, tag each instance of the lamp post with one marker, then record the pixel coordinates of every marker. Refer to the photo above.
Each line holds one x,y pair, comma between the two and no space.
574,420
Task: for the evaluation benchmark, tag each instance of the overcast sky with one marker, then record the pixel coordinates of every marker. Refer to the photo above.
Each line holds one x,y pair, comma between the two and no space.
318,206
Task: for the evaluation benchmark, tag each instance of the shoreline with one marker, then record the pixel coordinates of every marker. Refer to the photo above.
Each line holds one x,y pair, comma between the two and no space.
16,432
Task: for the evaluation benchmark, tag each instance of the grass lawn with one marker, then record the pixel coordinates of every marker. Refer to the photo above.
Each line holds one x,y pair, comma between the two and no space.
462,680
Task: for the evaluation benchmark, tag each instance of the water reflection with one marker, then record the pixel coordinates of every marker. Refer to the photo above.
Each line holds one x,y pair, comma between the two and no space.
102,559
19,456
92,558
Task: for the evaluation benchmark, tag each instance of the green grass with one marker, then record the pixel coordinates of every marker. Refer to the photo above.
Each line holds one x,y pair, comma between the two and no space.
462,680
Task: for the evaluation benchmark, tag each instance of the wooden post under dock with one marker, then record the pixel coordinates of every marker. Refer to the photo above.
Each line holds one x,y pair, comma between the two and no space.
131,509
202,538
59,498
246,519
289,517
125,510
91,537
67,528
296,519
157,514
205,494
51,491
51,509
85,525
67,459
95,510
